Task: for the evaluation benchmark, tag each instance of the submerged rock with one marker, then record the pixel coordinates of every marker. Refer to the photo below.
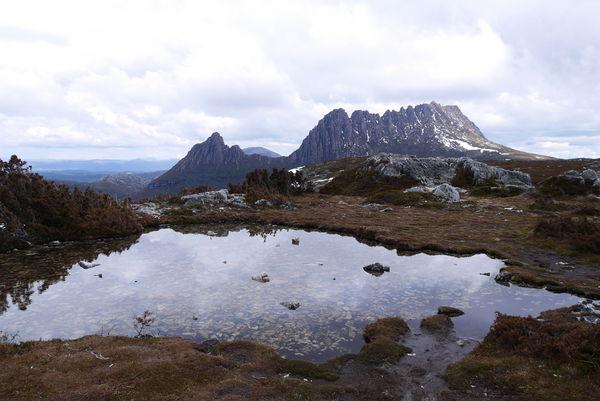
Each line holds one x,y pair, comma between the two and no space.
291,305
446,192
262,278
376,269
450,311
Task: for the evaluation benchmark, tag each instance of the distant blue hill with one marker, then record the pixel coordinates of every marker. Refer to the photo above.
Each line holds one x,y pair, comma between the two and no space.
102,167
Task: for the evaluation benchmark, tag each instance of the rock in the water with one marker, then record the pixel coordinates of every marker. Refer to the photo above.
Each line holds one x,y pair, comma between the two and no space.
446,192
291,305
376,269
87,265
262,278
295,241
503,277
450,311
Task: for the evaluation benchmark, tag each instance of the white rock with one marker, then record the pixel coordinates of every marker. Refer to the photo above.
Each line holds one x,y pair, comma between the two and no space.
446,192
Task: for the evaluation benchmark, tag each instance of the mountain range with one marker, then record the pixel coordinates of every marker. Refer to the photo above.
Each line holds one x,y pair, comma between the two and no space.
423,130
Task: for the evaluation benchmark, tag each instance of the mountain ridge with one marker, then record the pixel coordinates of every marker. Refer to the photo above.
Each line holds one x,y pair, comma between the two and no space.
424,130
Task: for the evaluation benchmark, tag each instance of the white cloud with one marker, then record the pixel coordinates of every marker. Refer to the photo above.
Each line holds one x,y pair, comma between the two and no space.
150,78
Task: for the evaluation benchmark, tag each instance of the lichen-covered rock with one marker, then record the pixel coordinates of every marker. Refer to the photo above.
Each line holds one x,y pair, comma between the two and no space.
572,182
221,196
446,192
434,171
376,269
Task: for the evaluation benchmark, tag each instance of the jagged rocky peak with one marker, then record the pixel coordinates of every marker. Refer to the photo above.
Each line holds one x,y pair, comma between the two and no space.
213,151
423,130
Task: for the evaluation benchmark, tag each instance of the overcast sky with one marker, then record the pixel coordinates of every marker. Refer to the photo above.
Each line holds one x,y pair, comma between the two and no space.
148,79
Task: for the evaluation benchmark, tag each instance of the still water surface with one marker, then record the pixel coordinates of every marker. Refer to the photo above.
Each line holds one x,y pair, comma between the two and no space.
199,285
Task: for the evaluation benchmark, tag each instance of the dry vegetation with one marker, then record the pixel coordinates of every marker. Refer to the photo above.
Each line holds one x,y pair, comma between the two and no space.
553,358
276,186
33,210
146,369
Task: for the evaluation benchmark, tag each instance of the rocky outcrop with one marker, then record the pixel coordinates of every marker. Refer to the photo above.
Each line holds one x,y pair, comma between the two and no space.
446,192
572,182
434,171
210,198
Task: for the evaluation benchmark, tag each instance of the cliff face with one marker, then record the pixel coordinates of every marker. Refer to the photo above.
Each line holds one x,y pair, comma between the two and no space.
423,130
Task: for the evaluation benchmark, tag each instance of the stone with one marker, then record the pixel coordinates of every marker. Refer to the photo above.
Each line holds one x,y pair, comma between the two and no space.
503,277
263,202
450,311
376,269
433,171
589,175
291,305
447,193
262,278
295,241
87,265
439,324
209,197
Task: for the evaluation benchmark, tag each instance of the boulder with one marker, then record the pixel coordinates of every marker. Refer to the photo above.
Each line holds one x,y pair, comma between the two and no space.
503,277
434,171
446,192
221,196
376,269
590,175
209,197
262,278
291,305
295,241
573,183
263,202
450,311
87,265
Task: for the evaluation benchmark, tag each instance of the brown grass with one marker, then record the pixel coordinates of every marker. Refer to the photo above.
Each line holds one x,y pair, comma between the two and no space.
580,233
393,328
557,358
440,324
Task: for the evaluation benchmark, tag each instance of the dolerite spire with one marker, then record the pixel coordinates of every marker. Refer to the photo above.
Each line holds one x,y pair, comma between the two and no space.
212,163
424,130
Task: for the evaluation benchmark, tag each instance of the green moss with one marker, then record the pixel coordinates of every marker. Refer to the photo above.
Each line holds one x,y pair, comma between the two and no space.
392,328
437,323
306,369
494,191
401,198
382,351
